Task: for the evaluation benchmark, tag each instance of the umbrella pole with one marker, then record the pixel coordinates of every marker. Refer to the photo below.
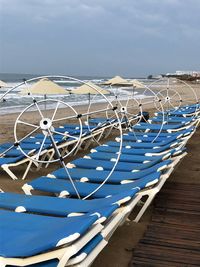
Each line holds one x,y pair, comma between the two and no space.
45,103
89,98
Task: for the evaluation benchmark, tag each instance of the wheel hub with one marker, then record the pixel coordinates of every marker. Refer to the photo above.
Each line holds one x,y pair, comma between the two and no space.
45,124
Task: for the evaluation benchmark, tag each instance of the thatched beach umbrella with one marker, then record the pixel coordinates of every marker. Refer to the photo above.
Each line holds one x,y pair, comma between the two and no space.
137,84
118,81
88,88
44,87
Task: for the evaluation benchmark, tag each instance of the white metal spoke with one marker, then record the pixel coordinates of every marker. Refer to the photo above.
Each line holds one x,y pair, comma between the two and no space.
55,111
22,139
161,95
28,124
174,95
40,112
171,105
127,103
133,118
41,147
65,134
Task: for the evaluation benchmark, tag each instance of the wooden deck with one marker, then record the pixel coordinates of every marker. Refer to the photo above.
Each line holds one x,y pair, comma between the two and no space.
172,237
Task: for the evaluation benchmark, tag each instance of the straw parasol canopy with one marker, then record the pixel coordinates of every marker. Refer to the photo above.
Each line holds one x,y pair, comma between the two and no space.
137,84
88,88
44,87
3,84
117,80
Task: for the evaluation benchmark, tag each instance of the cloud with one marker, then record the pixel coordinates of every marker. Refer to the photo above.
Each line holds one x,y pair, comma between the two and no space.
98,32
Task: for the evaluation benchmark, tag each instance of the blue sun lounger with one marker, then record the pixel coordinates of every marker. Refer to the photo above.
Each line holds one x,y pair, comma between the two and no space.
82,258
137,151
172,120
62,207
108,165
142,145
36,241
179,134
187,112
148,185
117,177
65,188
157,127
90,250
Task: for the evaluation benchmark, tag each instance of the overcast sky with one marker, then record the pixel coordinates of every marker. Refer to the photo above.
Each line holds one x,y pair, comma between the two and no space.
99,37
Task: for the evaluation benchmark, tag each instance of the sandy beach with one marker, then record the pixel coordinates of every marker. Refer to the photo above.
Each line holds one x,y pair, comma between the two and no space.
118,252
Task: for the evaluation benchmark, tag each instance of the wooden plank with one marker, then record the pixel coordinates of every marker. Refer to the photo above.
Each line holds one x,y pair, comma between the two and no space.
173,236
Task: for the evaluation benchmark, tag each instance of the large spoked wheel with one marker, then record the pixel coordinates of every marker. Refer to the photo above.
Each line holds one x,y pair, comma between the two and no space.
134,110
169,98
130,111
49,134
175,94
45,128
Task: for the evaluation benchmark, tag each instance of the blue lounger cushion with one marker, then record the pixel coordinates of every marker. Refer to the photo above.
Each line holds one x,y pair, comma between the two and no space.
123,157
173,119
178,134
158,141
108,165
36,234
86,250
180,112
63,207
131,151
10,160
142,145
57,186
99,176
157,127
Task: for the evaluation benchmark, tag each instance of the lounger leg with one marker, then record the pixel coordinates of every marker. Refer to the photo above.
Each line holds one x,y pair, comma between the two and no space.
145,206
27,170
79,146
50,158
9,172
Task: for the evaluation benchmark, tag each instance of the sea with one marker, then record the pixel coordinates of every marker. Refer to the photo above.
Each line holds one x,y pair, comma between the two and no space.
14,102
